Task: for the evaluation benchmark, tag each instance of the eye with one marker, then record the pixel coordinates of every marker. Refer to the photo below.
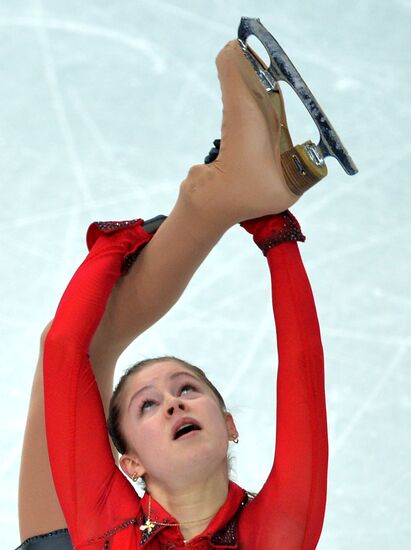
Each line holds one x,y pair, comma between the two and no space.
146,405
187,388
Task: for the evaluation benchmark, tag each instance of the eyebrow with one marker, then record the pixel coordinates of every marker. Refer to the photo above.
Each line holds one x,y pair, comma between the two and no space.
171,377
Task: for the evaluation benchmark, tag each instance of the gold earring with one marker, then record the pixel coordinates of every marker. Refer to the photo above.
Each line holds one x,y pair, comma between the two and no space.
135,477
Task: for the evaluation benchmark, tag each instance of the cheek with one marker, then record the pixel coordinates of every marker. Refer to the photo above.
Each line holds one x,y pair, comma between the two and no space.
145,436
216,422
130,430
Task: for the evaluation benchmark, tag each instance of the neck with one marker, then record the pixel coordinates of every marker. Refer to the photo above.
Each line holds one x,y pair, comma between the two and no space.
193,502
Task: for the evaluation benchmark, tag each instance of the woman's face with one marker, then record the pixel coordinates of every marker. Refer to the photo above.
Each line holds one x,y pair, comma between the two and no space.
174,426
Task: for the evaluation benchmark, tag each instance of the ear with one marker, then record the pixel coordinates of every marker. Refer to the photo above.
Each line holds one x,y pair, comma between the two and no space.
231,427
131,466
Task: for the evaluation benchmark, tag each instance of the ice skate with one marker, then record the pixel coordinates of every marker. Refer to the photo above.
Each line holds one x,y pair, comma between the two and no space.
303,165
281,68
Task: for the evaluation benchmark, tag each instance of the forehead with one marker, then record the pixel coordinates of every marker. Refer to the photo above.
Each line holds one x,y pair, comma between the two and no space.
158,372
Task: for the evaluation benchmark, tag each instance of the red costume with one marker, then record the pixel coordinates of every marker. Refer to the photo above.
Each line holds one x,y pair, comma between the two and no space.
101,507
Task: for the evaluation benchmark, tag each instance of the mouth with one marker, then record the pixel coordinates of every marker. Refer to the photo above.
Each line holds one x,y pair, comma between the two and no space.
184,427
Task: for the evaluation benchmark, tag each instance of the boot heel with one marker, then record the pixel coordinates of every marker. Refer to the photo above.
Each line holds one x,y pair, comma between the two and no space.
303,167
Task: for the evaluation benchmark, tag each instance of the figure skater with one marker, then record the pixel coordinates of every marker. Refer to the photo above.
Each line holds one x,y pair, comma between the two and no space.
167,421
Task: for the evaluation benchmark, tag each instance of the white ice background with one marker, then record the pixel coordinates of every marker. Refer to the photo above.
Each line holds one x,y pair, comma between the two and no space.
104,105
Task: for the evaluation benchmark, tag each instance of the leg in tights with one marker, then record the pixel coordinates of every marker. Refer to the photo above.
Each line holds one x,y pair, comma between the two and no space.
244,182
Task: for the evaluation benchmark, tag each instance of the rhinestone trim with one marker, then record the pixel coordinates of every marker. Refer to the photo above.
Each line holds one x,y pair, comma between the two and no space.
227,536
110,226
113,531
290,231
145,534
46,536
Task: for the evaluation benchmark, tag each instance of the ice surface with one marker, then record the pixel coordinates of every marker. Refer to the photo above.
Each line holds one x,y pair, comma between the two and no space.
104,106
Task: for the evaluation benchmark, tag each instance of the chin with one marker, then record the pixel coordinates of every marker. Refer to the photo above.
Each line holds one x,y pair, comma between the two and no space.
204,458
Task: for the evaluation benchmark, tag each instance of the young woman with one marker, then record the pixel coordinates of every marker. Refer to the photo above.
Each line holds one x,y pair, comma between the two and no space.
167,420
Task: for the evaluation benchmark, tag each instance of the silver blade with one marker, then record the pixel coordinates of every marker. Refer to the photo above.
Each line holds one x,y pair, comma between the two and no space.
282,68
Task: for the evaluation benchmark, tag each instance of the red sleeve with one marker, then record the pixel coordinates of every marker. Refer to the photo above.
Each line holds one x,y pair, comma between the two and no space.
288,512
93,493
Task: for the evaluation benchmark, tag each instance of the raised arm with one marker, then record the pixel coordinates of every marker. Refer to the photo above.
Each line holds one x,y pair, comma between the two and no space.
91,489
288,512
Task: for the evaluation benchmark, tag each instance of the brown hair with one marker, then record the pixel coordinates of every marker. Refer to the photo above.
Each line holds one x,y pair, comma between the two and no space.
114,414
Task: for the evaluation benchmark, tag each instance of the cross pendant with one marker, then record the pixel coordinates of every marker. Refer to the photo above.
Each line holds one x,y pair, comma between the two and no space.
148,525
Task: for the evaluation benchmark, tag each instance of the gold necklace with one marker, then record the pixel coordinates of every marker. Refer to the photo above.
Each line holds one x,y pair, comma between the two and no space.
150,524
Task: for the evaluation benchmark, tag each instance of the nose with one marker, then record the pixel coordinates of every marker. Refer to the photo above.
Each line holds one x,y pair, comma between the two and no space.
174,405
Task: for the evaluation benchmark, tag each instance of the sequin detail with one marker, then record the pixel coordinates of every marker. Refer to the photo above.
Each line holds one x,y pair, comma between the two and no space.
109,227
113,531
60,537
147,535
290,231
227,536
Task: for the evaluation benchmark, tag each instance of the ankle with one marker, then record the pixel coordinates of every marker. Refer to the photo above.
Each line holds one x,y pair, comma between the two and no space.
206,199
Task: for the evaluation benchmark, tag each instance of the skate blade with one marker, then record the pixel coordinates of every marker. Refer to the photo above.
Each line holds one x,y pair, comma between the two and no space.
281,68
